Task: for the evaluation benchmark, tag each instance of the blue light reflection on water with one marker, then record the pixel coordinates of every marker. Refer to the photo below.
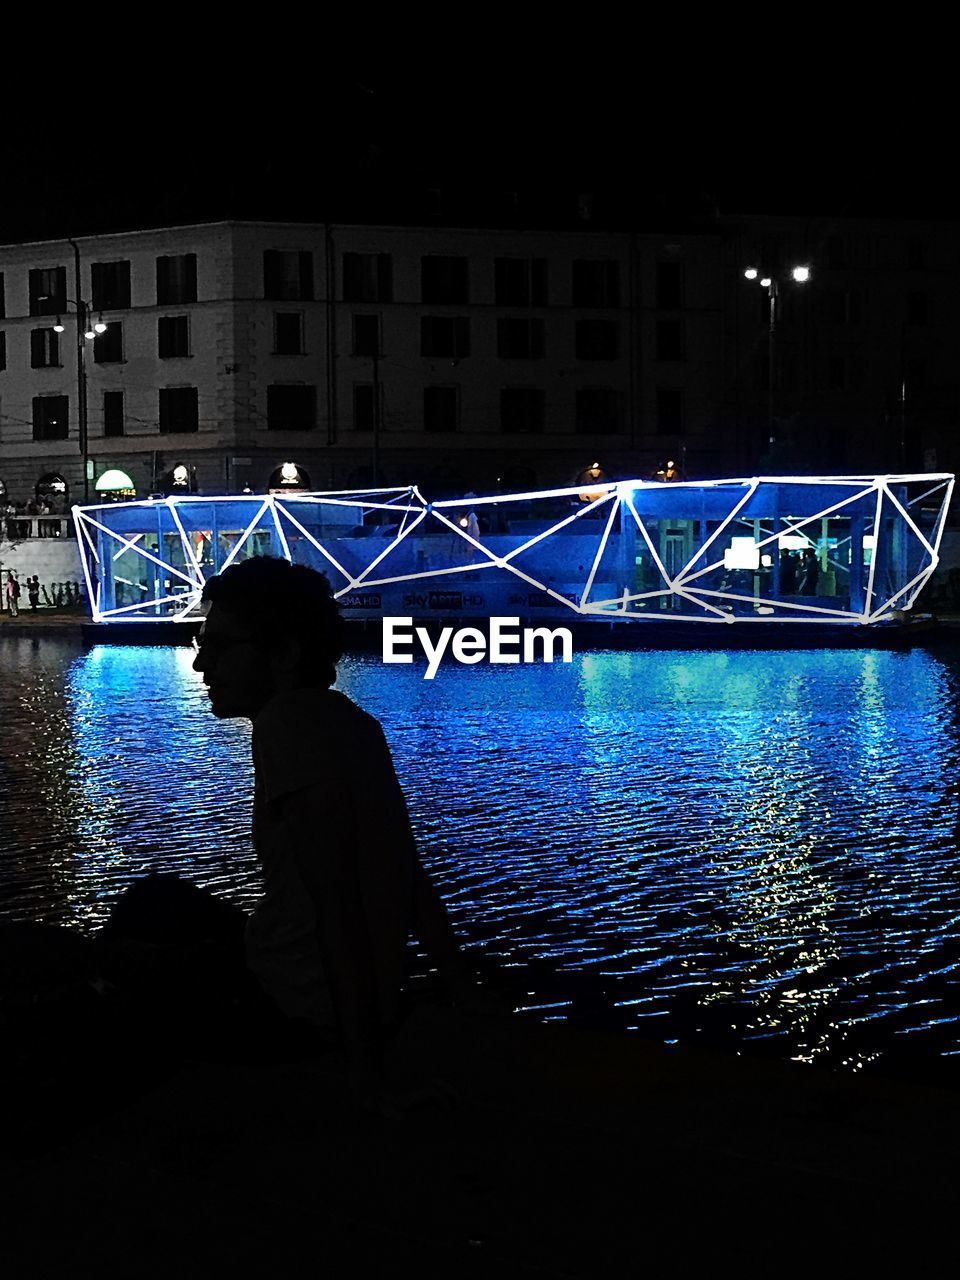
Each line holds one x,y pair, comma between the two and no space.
164,781
719,847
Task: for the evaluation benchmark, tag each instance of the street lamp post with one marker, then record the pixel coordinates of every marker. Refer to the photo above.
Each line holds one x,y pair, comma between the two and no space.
85,333
801,275
81,367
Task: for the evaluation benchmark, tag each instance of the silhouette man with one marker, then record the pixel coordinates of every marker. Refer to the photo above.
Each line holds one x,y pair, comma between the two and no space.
343,885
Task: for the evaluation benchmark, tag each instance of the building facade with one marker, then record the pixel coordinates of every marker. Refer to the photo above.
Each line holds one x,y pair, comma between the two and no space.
464,359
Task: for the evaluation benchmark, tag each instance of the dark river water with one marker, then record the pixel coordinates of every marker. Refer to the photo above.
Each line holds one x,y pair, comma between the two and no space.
749,850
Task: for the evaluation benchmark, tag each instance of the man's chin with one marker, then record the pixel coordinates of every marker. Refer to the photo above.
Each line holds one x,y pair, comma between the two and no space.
225,710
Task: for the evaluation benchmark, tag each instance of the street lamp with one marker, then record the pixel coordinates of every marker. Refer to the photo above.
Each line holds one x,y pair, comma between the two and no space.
800,275
87,330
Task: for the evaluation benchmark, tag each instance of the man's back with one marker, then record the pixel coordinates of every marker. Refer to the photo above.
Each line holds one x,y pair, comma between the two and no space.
329,818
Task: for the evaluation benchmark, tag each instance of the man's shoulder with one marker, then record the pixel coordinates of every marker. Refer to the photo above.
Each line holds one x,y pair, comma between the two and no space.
316,715
317,736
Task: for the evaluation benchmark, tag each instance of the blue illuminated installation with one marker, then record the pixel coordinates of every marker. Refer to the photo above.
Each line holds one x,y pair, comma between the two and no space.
851,550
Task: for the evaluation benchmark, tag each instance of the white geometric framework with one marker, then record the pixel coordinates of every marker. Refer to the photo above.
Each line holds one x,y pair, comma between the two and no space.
844,549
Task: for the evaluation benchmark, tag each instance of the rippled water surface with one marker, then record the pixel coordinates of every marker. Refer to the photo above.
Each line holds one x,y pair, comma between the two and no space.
745,849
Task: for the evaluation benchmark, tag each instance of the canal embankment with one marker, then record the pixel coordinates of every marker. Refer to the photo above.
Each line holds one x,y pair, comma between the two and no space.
45,623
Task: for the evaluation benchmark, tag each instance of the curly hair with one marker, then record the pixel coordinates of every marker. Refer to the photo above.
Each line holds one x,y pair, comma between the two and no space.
277,599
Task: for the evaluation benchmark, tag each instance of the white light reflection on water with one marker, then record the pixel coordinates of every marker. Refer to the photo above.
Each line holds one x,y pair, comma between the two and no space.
743,849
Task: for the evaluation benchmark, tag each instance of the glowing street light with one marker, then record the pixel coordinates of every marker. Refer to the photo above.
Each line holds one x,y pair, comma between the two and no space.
800,275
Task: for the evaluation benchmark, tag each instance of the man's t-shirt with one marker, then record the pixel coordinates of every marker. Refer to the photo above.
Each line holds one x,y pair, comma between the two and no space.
319,742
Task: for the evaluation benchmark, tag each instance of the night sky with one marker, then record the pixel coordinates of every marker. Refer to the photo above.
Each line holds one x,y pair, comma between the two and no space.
692,136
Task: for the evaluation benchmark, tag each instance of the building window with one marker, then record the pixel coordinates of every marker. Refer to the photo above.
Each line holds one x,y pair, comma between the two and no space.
3,298
179,409
367,277
597,340
669,286
48,291
366,336
670,340
521,410
598,411
176,280
363,404
113,413
51,418
443,281
108,346
288,333
3,349
441,408
288,275
291,408
520,282
173,337
669,411
44,348
52,489
445,336
520,339
596,283
110,285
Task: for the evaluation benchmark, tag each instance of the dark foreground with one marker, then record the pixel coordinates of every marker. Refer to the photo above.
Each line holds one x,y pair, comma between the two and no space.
568,1154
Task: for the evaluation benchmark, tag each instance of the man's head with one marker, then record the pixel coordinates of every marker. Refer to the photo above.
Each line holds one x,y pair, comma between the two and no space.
270,626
